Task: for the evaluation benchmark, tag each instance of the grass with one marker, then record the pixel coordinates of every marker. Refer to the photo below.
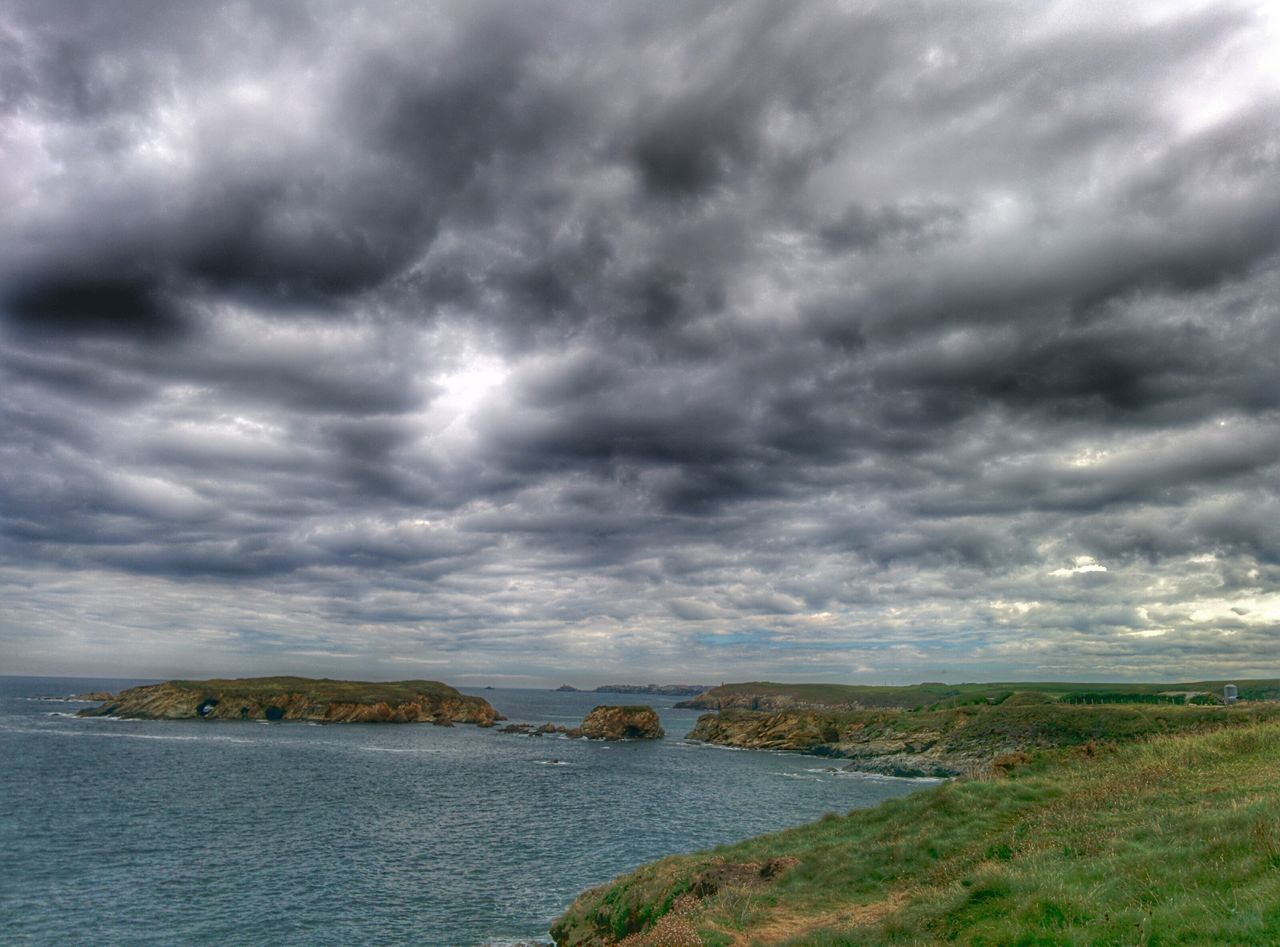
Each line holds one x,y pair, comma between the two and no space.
1015,723
1172,839
353,692
924,695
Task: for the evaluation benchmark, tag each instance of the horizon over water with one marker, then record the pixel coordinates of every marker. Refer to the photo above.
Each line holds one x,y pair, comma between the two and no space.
202,832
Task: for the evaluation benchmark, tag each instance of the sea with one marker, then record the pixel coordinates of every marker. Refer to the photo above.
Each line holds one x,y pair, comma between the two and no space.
228,832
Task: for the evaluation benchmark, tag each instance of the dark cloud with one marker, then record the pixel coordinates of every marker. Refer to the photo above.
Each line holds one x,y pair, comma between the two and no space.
745,339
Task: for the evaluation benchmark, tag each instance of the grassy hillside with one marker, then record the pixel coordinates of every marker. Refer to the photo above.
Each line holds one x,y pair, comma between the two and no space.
771,695
1169,840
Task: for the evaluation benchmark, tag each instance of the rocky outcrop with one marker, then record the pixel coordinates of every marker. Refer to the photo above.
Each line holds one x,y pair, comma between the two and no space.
957,741
530,730
870,744
768,696
620,723
298,698
95,695
715,699
603,723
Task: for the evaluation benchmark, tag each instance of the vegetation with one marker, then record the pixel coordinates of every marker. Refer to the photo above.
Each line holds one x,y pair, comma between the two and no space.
966,735
1172,839
348,692
768,693
299,698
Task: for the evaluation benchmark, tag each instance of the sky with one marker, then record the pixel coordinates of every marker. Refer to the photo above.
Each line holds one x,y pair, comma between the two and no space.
541,342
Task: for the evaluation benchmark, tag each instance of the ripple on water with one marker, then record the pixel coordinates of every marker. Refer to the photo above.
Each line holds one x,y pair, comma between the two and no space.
359,834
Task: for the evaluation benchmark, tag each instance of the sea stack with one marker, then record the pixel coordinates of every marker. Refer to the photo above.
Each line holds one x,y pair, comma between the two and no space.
620,723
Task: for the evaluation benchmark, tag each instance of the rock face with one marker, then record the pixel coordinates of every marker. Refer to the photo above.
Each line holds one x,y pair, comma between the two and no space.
620,723
300,698
870,745
767,696
965,740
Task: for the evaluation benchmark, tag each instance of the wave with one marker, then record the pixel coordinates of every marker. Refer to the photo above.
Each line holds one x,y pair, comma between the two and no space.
698,745
49,731
886,778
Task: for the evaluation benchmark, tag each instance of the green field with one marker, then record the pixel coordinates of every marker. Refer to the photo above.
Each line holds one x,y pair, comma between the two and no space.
911,696
1169,839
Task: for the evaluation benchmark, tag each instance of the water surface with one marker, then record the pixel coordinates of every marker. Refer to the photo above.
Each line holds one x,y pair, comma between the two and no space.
229,832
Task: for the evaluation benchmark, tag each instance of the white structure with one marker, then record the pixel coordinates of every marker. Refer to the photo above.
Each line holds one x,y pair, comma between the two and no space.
1230,694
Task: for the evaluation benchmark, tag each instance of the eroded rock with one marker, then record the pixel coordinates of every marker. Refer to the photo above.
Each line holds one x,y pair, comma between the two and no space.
620,723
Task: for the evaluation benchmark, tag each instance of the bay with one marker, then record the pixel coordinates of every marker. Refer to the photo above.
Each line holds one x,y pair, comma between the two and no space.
228,832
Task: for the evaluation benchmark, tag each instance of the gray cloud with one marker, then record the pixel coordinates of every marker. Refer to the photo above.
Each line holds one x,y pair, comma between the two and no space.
732,340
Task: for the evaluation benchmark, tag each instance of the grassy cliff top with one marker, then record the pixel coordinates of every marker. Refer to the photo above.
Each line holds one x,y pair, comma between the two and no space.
922,695
1173,839
1053,723
352,692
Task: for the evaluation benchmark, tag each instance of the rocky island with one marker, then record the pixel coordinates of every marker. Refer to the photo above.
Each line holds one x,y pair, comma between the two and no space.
603,723
300,698
621,723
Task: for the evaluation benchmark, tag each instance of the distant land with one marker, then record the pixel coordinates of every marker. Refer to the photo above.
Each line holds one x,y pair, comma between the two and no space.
300,698
768,695
661,690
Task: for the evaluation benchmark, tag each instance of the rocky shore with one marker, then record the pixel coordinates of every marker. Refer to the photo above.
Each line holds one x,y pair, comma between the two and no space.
299,698
959,741
869,746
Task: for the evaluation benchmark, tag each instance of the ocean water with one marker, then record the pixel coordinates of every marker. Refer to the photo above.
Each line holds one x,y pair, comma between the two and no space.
222,832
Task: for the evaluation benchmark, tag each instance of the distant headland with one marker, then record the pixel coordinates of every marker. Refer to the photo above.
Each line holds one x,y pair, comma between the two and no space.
300,698
660,690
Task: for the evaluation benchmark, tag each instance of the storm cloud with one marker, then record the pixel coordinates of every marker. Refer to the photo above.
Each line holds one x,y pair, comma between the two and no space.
580,341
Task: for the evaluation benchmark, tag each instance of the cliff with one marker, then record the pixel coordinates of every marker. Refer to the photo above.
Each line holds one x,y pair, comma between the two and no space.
300,698
955,741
